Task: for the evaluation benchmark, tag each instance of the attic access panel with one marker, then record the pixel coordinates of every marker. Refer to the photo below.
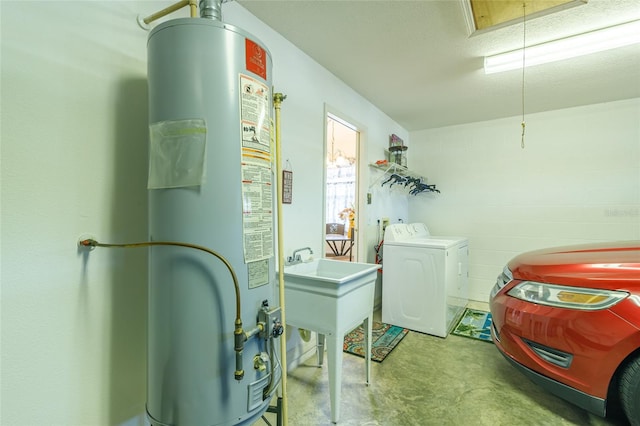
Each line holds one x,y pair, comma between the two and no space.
486,15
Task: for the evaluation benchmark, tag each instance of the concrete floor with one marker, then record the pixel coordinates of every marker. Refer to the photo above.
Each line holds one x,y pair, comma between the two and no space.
428,380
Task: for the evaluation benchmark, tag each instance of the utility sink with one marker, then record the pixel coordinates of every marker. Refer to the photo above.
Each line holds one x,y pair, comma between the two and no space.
317,292
327,273
332,298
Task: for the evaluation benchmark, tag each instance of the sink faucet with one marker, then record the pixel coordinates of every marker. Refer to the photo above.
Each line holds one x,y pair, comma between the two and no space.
295,257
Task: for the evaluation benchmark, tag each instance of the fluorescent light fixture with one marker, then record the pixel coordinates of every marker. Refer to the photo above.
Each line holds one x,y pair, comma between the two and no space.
565,48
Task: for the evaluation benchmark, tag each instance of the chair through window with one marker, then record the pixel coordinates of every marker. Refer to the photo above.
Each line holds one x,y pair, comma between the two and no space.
335,228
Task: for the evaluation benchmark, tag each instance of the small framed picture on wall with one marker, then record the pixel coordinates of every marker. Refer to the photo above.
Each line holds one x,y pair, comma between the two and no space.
287,186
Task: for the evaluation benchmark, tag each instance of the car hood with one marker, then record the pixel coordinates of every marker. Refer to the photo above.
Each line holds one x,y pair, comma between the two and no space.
604,265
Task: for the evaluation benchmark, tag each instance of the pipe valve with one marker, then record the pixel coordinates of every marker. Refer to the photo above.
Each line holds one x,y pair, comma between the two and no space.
270,317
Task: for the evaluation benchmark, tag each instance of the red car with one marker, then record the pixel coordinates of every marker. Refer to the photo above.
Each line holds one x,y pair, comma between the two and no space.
569,319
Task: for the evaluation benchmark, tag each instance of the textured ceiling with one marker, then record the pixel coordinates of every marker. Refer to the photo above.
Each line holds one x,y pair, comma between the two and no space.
416,62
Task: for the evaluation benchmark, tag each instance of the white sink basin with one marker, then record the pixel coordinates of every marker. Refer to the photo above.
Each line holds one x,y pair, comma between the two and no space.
332,271
330,278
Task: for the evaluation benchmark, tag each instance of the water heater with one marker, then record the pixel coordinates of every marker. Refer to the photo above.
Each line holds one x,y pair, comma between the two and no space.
210,184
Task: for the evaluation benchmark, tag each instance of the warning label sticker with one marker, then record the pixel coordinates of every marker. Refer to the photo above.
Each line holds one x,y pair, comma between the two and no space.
256,58
257,187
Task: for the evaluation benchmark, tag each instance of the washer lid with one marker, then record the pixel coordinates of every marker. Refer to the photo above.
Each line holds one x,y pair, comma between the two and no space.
417,234
428,243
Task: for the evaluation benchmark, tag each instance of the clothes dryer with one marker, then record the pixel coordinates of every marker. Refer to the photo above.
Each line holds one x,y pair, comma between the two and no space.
424,280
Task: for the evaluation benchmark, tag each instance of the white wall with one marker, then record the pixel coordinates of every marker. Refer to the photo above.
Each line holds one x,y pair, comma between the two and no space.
74,132
308,88
74,160
576,181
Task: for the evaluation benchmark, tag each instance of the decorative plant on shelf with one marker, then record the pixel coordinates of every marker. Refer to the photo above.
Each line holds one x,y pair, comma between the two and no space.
349,214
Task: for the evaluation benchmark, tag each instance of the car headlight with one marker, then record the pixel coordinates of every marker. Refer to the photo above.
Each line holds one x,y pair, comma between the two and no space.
566,297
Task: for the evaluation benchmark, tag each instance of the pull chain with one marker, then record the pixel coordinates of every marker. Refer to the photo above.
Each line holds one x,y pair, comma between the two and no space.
524,44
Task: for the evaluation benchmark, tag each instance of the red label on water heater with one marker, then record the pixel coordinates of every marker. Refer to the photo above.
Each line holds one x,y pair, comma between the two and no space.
256,58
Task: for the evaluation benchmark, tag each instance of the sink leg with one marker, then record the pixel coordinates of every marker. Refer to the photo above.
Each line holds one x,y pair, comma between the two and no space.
368,325
320,349
334,352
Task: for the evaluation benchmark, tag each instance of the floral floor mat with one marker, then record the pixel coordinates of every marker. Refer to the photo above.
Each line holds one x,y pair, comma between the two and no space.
384,338
475,324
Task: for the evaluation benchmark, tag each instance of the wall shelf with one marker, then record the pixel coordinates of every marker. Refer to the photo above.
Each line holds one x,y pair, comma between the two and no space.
394,174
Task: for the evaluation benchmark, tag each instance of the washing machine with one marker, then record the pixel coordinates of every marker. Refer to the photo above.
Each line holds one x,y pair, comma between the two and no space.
424,279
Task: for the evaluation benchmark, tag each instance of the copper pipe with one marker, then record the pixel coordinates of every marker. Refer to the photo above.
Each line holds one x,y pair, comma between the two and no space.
164,12
277,101
239,334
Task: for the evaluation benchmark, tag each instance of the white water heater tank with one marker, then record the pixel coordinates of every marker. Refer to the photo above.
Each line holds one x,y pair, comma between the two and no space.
210,184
